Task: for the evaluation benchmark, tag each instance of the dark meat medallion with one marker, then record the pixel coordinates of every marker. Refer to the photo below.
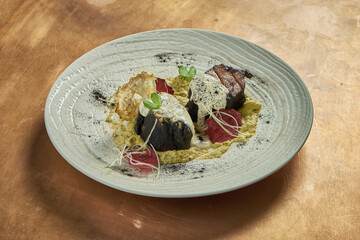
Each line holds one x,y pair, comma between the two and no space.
233,80
192,108
167,134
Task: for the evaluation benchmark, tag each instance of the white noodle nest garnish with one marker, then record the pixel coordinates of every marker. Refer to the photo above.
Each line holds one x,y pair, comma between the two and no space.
128,151
218,118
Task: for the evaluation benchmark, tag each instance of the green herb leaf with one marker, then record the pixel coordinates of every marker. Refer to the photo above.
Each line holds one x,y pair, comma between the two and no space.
183,71
187,74
192,72
156,102
149,105
156,99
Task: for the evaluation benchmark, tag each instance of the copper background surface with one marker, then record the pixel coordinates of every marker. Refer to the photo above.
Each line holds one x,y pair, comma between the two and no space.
315,196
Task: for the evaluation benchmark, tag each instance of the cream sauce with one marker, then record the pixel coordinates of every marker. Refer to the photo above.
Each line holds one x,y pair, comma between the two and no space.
208,93
202,141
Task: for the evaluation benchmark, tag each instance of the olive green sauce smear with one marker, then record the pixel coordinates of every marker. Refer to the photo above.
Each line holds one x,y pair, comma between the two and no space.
123,130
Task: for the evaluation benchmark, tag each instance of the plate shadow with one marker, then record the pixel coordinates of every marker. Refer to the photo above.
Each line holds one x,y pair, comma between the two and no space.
93,210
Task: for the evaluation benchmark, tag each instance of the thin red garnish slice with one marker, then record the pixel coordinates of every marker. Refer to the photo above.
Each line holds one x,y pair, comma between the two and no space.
141,158
228,119
162,86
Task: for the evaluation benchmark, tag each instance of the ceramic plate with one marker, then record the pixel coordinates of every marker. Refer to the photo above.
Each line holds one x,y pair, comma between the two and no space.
75,118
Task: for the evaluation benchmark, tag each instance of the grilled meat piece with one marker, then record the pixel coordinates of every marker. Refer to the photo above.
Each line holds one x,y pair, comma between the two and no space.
232,79
173,129
167,135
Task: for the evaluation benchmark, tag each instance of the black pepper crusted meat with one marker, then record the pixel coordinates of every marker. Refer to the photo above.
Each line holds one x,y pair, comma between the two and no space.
167,134
233,79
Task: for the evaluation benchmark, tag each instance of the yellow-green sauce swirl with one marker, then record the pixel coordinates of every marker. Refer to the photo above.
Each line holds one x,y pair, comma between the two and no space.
123,130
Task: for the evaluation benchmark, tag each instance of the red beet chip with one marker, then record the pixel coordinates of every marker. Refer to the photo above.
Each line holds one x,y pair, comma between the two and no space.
216,133
147,156
162,86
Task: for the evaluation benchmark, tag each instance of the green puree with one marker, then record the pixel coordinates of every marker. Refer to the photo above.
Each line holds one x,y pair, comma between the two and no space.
249,112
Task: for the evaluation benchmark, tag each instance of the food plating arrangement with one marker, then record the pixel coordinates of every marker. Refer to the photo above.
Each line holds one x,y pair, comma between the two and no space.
175,120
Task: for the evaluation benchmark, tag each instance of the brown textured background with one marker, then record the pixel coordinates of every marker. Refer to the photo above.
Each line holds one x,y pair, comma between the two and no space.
315,196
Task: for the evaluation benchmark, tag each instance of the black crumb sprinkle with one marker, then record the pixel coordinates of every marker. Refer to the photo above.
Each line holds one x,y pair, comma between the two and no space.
175,167
240,144
197,177
99,96
267,122
247,74
163,57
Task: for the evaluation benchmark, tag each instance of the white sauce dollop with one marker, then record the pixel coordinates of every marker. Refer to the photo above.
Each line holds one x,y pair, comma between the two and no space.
207,92
204,142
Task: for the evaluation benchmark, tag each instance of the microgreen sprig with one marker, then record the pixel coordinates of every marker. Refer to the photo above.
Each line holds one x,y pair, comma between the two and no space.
187,74
156,102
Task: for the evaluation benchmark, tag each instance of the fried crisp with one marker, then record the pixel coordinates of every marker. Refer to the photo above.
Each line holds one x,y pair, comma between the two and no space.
130,95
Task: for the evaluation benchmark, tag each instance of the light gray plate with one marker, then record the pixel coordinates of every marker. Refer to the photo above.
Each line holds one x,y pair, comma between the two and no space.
75,119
